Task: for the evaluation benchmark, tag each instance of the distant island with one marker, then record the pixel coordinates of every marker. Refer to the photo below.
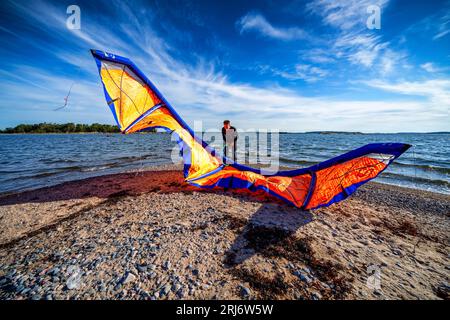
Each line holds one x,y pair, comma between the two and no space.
62,128
334,132
324,132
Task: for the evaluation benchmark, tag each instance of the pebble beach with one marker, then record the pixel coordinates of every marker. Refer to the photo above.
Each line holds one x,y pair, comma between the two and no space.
149,235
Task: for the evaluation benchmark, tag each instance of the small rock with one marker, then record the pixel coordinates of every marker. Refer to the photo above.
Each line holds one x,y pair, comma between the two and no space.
176,287
54,271
144,294
166,265
74,281
302,276
180,294
129,277
141,268
316,296
165,290
56,256
245,292
443,291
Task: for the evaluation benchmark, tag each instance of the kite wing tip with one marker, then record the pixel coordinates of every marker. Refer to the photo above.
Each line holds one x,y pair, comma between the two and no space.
94,52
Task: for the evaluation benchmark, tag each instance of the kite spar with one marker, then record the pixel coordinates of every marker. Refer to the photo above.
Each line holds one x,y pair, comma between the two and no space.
137,105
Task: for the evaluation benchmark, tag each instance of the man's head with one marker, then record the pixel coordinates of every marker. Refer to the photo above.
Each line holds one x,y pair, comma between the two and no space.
226,124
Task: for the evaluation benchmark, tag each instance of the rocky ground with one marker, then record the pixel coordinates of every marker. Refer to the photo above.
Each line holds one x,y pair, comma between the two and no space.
148,235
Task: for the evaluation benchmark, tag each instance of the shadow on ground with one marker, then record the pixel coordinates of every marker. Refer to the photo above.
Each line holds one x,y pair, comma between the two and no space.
119,185
269,227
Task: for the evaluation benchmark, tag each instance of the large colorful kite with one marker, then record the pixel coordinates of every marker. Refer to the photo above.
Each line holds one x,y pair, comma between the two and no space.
137,106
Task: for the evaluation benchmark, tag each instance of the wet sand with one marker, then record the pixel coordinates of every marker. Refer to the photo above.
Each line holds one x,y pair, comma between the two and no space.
149,235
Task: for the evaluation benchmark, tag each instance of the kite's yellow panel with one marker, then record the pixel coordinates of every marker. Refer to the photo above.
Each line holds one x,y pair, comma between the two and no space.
199,159
130,96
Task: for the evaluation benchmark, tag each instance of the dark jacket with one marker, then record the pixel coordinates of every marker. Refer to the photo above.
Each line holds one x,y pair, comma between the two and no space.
224,133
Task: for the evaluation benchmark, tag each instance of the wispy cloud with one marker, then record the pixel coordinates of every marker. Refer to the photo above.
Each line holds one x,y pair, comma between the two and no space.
429,67
317,55
436,26
443,27
344,15
256,22
354,41
304,72
437,91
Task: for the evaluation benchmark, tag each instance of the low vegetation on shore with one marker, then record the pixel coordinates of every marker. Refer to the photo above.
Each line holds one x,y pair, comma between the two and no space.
62,128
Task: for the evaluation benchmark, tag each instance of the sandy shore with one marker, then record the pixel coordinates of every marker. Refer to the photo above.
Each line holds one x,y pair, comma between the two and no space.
148,235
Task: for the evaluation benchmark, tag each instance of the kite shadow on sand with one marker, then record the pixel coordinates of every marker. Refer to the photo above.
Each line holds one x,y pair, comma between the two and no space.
270,232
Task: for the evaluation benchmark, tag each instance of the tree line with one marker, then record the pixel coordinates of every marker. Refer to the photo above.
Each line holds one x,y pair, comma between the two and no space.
62,128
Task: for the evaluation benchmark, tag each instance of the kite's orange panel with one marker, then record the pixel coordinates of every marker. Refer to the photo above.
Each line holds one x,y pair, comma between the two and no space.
294,189
332,181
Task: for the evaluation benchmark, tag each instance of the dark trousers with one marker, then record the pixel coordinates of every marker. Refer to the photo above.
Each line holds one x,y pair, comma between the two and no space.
225,152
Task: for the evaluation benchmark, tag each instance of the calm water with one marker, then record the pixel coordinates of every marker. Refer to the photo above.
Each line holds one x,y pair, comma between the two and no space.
31,161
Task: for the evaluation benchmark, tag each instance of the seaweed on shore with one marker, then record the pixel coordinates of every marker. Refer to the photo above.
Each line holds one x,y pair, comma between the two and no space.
276,243
267,288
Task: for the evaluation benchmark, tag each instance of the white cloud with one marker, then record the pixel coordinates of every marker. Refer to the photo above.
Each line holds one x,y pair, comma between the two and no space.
306,72
441,34
258,23
443,28
437,91
430,67
317,55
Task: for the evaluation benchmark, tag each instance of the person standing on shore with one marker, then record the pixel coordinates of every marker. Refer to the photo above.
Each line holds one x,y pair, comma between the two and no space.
230,136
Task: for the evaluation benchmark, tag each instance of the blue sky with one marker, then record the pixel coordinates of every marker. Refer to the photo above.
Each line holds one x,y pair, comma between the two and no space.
293,66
